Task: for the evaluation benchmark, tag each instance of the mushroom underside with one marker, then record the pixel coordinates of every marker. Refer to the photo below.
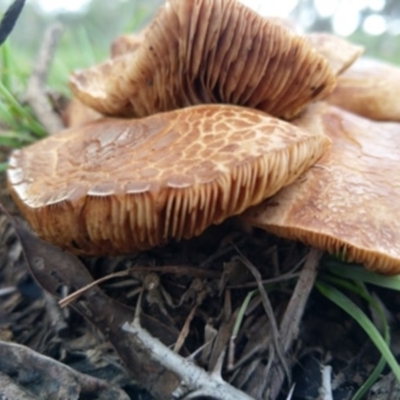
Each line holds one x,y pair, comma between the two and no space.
115,186
347,202
208,51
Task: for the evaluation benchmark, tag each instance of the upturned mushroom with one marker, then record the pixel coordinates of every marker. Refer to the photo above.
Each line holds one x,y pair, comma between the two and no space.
115,186
348,202
208,51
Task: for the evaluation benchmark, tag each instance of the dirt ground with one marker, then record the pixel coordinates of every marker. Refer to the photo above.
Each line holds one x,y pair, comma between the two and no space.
190,295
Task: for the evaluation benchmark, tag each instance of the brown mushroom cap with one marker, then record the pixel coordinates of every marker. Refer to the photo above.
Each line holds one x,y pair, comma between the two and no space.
114,186
208,51
339,52
76,113
125,44
370,88
349,202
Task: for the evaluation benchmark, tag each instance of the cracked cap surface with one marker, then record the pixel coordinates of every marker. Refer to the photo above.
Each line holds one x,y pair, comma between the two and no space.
115,186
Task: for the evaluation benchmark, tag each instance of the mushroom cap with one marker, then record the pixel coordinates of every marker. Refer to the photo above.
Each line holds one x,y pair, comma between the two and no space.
76,113
125,44
208,51
115,186
348,202
339,52
370,88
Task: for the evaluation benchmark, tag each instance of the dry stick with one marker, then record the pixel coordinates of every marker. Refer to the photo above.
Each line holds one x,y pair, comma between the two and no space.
185,330
36,94
121,274
20,361
194,381
193,378
56,315
11,390
289,328
291,319
269,311
66,301
325,392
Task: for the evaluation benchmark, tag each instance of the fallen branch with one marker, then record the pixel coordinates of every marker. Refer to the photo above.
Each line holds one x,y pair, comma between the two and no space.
42,377
192,378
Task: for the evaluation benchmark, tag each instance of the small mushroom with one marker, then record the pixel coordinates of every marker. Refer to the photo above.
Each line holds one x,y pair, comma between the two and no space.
348,202
370,88
208,51
115,185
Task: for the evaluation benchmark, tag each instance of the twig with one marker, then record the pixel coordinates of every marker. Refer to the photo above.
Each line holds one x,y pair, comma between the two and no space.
121,274
276,336
7,290
28,367
291,320
192,378
36,94
56,315
185,329
66,301
10,390
325,392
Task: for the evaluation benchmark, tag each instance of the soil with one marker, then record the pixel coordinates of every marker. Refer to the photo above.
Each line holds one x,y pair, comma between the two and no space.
190,295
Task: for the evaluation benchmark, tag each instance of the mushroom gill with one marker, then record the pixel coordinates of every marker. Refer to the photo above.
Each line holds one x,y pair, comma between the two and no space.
208,51
347,203
114,186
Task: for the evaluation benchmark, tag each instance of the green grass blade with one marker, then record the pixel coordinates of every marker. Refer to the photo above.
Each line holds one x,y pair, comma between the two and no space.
3,167
366,386
359,289
9,99
355,312
240,315
86,47
358,273
5,66
6,117
15,139
19,112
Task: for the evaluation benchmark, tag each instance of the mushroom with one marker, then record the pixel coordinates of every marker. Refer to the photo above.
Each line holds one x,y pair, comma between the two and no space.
76,113
208,51
115,185
370,88
348,202
125,44
339,52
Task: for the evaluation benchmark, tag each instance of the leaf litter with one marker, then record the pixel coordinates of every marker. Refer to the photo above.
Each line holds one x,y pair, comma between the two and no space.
166,320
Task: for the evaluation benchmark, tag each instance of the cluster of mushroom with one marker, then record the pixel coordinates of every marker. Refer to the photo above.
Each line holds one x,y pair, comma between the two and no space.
205,115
